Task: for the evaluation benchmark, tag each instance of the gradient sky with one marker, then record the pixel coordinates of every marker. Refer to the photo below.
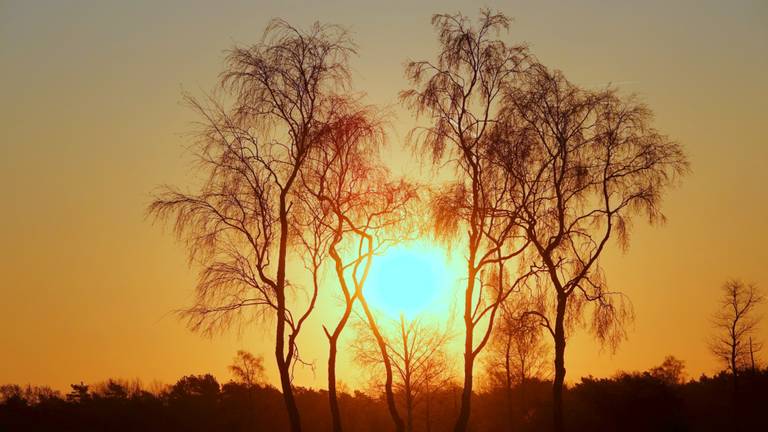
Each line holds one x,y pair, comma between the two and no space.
91,123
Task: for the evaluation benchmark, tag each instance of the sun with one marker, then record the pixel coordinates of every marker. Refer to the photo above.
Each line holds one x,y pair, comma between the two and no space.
411,279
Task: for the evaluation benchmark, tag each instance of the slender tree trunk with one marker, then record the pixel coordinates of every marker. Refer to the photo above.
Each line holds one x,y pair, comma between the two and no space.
285,383
283,363
466,396
557,386
475,236
333,338
735,406
734,365
332,397
390,394
469,359
409,410
407,380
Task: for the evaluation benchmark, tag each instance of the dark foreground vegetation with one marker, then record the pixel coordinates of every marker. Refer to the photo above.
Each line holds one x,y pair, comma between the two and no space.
656,400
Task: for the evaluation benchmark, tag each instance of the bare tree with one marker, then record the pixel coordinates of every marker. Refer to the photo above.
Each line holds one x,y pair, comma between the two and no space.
342,168
735,324
392,201
459,95
365,213
417,354
240,224
517,353
247,368
583,163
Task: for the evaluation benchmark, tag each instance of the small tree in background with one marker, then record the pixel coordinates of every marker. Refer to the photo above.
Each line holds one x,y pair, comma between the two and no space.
517,353
79,393
417,354
247,369
671,371
735,324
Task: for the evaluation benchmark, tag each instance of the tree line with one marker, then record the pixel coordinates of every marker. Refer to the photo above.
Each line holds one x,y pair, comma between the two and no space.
658,399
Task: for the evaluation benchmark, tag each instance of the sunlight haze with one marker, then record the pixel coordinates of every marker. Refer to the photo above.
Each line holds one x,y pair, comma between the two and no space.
414,279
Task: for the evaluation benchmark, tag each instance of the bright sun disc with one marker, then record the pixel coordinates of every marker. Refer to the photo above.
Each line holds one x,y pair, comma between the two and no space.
409,279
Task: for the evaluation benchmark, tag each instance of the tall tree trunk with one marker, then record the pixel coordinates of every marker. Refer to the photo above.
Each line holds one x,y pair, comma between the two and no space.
408,411
333,338
469,359
390,394
284,363
557,386
332,397
407,380
466,396
285,377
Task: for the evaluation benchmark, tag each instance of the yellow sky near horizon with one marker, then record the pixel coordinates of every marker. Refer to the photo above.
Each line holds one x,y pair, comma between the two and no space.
91,123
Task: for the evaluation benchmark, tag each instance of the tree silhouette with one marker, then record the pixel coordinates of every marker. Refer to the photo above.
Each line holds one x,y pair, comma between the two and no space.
248,371
628,401
79,393
13,394
247,368
241,223
459,95
114,389
671,371
736,324
517,354
583,164
203,386
362,211
388,208
417,354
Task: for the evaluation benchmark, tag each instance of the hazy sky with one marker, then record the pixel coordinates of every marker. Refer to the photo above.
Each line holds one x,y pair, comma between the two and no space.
91,123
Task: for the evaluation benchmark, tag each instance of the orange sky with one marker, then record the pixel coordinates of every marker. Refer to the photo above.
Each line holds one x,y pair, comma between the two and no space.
91,124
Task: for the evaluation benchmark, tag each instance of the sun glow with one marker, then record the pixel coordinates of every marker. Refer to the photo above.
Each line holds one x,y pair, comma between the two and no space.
411,279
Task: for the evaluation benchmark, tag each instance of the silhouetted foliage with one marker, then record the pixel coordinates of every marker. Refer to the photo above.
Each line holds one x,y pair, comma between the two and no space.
656,400
671,371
